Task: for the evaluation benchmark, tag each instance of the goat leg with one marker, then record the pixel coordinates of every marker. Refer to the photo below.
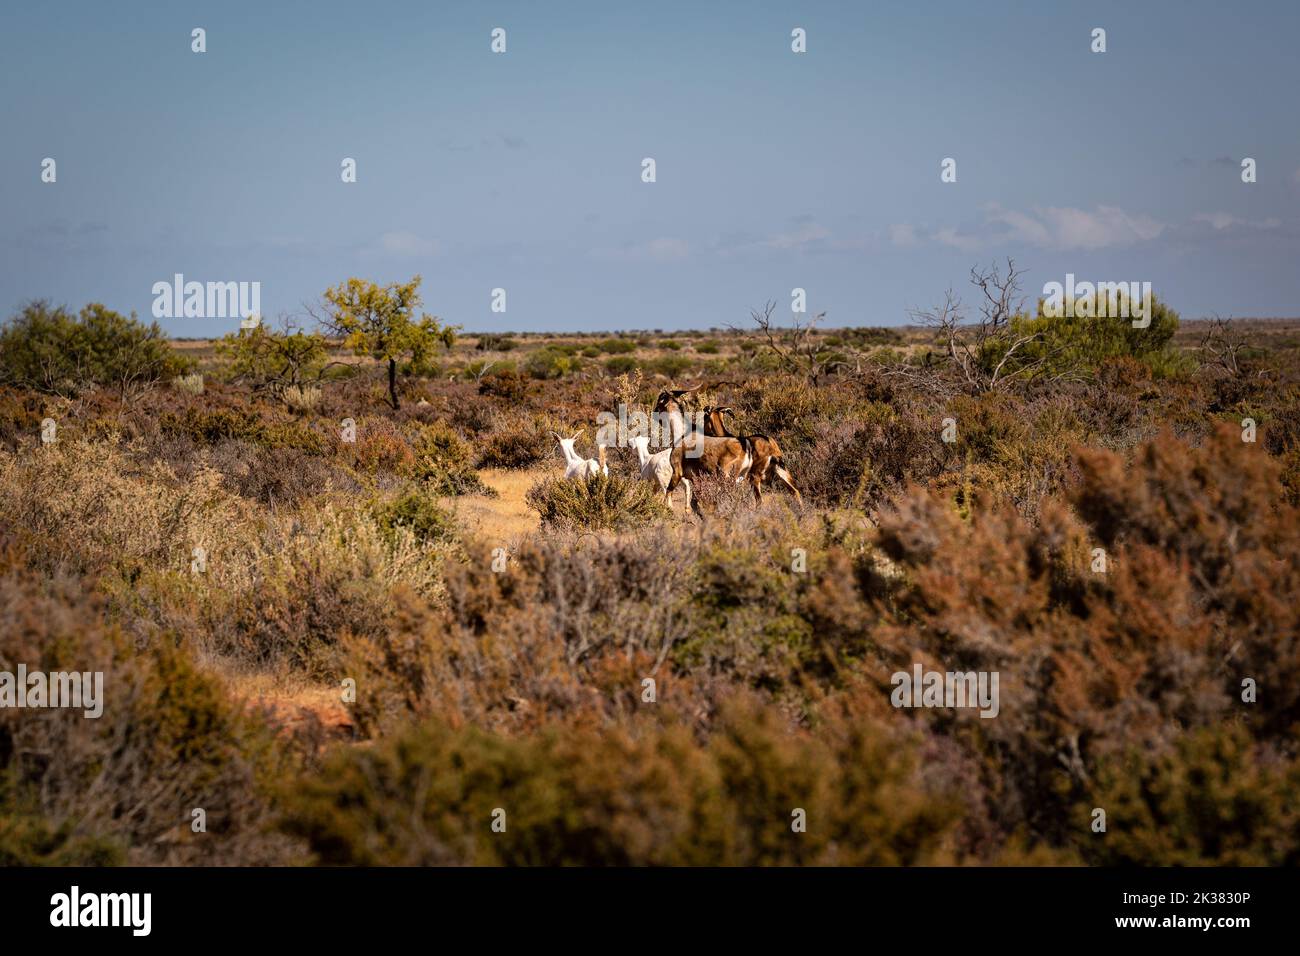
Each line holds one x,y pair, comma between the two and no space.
785,478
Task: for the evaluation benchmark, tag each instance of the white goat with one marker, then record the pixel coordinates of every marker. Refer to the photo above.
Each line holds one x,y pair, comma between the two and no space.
657,467
578,467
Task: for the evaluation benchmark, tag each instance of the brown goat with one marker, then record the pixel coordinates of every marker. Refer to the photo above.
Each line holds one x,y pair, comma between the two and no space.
766,453
695,453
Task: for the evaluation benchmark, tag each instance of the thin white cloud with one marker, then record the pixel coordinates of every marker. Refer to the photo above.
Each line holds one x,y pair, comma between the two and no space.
1064,227
1219,220
803,235
1045,227
406,245
950,236
663,249
667,248
1224,220
903,234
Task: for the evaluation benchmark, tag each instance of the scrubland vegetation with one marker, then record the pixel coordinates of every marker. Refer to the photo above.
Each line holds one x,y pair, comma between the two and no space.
501,662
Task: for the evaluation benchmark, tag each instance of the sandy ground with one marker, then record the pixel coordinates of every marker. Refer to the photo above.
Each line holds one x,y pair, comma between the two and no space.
296,705
506,518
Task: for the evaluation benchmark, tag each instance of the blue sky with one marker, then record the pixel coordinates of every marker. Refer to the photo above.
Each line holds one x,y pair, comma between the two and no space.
522,170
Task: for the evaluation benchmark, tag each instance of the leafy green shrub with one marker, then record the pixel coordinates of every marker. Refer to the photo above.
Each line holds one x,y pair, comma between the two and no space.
871,335
51,350
670,366
745,618
551,362
265,358
444,462
1214,797
492,342
617,346
621,365
419,514
609,503
600,796
1067,343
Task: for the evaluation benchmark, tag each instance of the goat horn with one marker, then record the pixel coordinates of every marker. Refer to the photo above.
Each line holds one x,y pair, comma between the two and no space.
687,391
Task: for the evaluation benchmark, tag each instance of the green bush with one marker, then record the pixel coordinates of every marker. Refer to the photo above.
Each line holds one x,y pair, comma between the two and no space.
869,335
670,366
444,462
617,346
1214,797
551,362
265,358
52,350
606,796
491,342
621,365
609,503
419,514
1083,342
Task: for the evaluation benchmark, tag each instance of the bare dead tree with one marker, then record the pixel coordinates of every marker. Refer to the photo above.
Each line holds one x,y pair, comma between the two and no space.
928,376
477,374
947,319
1221,346
990,353
798,348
